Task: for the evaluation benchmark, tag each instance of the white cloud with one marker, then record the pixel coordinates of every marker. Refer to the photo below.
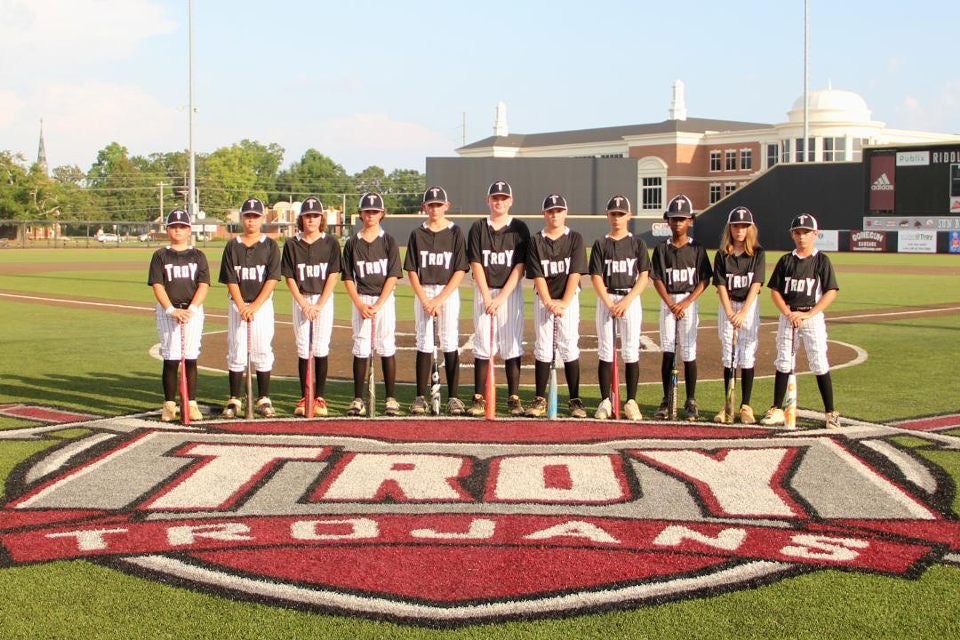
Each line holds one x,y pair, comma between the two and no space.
11,106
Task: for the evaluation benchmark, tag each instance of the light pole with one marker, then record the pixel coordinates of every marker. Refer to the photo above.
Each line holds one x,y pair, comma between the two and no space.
192,201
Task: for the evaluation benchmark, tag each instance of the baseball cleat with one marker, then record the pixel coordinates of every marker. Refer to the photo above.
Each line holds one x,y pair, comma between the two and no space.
662,412
301,408
391,407
479,407
419,406
576,408
604,410
746,414
690,411
169,411
195,414
831,419
232,409
319,407
356,408
632,410
723,417
514,406
773,417
537,409
455,407
265,408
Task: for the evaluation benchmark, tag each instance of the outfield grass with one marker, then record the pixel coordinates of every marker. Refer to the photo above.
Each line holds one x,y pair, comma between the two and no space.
94,360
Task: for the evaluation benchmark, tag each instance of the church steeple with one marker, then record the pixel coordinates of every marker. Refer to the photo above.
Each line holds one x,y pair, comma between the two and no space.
42,152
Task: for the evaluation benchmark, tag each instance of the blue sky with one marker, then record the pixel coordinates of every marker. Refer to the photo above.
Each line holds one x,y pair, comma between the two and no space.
388,83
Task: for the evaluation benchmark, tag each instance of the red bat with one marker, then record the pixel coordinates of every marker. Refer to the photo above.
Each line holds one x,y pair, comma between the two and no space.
184,390
309,382
491,383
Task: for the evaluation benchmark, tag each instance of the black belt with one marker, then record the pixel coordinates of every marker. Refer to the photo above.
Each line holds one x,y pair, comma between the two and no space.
800,309
738,299
619,292
181,305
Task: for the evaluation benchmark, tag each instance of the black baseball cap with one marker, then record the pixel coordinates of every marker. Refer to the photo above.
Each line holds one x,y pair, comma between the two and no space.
500,188
679,207
311,205
554,201
618,203
371,201
435,194
252,205
804,221
740,215
178,216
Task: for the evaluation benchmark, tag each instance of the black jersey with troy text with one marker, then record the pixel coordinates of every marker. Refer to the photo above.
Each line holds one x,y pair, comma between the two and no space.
310,263
436,255
180,273
738,272
369,264
250,267
681,269
555,260
801,281
498,251
619,262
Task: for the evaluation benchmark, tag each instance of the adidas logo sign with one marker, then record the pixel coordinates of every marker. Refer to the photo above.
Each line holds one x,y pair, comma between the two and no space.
882,183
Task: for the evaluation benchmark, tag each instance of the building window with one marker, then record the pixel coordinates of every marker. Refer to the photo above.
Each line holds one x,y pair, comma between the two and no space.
785,151
811,150
746,159
730,160
714,161
858,148
773,155
714,192
834,149
729,188
652,194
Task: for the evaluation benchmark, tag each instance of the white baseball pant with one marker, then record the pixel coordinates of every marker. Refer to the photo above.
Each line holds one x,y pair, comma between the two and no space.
385,342
168,329
812,334
261,326
629,327
322,328
688,327
508,327
568,332
449,321
747,336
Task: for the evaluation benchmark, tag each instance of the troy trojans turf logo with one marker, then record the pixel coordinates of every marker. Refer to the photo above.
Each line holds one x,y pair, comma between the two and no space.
444,522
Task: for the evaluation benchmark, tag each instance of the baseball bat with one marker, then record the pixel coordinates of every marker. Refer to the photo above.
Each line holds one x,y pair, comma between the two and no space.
673,369
615,390
435,368
371,382
732,384
552,396
491,408
184,390
249,371
790,400
310,374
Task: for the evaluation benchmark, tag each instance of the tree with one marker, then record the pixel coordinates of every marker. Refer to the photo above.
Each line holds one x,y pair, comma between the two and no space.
314,174
372,178
14,187
404,189
122,190
232,174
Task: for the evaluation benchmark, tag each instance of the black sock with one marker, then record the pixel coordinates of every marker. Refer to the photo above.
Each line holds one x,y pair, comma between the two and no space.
451,364
302,371
424,360
541,373
512,368
666,366
690,379
480,368
359,373
746,385
263,384
633,380
779,388
825,384
605,377
571,370
320,375
389,364
192,379
236,383
170,380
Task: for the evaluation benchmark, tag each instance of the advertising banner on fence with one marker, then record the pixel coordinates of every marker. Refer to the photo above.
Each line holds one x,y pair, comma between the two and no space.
882,182
873,241
828,240
917,242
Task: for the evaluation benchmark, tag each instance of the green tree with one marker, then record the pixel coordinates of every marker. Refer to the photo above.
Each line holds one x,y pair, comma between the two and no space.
122,191
313,174
403,190
75,201
373,178
232,174
14,187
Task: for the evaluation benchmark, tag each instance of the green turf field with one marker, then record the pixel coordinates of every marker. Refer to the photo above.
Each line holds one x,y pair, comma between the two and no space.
903,311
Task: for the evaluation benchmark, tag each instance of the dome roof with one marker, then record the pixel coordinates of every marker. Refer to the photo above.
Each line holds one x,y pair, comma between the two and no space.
831,105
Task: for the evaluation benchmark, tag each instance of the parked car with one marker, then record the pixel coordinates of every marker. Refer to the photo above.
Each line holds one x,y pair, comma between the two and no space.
107,237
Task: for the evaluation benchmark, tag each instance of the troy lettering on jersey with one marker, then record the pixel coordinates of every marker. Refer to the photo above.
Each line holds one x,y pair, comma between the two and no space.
441,259
373,267
497,258
800,285
251,273
741,281
181,271
686,275
555,267
312,271
625,265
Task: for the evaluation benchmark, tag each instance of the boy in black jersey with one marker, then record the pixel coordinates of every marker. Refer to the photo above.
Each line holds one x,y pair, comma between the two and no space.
180,278
681,273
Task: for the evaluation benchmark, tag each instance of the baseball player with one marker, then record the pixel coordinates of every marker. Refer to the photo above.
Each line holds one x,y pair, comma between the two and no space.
180,278
803,285
738,274
250,268
555,262
311,267
681,273
497,250
371,268
620,271
436,263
